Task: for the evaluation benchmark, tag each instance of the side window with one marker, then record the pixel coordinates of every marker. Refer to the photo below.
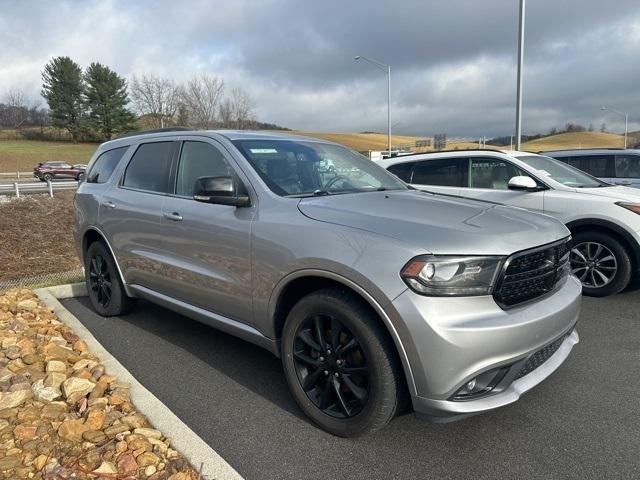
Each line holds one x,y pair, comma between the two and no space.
402,170
596,165
628,166
149,167
491,173
199,159
105,164
562,159
446,172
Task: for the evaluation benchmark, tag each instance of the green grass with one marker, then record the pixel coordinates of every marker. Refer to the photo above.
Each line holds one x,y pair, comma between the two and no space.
25,154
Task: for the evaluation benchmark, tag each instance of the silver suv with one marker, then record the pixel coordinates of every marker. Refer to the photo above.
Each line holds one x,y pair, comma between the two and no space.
372,293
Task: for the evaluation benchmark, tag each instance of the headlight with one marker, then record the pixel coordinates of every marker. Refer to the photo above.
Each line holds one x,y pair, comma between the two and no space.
634,207
452,275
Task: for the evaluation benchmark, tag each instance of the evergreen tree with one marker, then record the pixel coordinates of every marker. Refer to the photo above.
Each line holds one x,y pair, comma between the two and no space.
62,88
106,98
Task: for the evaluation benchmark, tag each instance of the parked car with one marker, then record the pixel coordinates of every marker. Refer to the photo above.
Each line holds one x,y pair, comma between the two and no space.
603,219
366,289
620,167
48,171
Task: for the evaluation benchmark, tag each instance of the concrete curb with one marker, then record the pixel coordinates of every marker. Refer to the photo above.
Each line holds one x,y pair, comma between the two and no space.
183,439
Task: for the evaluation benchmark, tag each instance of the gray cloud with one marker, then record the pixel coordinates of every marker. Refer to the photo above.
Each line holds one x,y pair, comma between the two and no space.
453,62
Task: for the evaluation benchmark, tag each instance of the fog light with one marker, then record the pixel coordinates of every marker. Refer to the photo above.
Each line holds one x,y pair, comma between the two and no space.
481,385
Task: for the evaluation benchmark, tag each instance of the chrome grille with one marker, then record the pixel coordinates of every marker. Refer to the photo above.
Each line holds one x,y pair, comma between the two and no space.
532,273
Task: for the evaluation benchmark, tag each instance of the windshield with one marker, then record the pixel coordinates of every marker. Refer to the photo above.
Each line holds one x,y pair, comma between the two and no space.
561,172
301,168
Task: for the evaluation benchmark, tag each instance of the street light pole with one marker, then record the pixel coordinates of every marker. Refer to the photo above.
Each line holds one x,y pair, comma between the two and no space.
520,67
626,122
386,68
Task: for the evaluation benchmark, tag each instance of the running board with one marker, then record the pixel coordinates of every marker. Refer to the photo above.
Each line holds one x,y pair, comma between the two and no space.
232,327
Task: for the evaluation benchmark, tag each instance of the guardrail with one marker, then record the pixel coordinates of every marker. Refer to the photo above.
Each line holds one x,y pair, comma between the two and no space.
23,188
16,174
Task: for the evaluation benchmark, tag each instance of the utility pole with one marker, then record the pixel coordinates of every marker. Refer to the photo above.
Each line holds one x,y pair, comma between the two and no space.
520,67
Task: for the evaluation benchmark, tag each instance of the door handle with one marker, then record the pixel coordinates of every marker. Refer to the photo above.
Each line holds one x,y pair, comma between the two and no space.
109,204
175,216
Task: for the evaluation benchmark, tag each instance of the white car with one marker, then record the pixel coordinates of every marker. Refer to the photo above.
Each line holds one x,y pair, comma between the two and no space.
604,219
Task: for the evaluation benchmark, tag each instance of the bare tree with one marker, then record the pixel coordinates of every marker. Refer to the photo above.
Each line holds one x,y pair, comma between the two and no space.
157,98
237,110
201,98
16,108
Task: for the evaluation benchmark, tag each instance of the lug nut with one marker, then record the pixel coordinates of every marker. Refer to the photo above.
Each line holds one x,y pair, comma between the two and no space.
326,372
322,359
336,374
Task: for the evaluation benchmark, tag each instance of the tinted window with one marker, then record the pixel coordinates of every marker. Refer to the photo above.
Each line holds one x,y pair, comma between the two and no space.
105,164
199,159
628,166
596,165
402,170
448,172
491,173
149,167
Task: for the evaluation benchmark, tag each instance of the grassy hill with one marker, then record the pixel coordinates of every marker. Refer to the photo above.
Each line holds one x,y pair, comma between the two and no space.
25,154
575,140
362,141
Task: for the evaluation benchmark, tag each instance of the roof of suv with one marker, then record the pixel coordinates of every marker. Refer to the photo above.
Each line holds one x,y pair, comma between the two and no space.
230,134
590,151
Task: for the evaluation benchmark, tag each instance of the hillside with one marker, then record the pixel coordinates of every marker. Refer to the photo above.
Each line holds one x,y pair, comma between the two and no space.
575,140
362,141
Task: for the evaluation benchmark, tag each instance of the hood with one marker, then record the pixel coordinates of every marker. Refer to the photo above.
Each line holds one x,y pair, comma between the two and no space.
617,193
439,224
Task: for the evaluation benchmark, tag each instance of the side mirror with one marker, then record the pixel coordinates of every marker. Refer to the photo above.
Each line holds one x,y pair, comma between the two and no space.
523,183
219,190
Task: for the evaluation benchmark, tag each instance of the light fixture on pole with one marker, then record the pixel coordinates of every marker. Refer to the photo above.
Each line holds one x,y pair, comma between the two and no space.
386,68
520,67
626,122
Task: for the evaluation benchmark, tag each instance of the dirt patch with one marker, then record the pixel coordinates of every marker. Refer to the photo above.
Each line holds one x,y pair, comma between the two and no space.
36,236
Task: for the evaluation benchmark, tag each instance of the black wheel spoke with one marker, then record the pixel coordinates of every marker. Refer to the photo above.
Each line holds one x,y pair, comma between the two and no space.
340,398
312,379
336,329
94,264
326,394
359,370
358,392
317,323
307,359
306,337
348,347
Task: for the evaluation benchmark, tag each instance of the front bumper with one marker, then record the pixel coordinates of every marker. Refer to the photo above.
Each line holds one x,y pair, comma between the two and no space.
453,340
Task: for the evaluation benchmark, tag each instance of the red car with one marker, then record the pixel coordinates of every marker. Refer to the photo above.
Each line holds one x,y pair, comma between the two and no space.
50,170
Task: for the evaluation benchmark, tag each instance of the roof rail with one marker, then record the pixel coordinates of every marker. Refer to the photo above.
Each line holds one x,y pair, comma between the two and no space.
157,130
579,149
453,150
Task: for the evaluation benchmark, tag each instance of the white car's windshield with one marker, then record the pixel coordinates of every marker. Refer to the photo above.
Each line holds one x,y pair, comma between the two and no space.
302,168
561,172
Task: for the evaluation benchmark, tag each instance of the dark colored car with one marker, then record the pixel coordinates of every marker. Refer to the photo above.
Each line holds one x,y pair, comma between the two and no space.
51,170
620,167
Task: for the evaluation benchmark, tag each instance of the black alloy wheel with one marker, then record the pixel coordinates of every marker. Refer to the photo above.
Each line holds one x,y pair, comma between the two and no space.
100,280
331,366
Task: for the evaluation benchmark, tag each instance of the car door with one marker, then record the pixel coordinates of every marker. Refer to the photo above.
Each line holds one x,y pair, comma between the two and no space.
489,179
440,175
130,213
627,170
63,170
207,246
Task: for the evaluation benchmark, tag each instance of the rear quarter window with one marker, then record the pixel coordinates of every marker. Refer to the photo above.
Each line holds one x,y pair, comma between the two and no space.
105,164
446,172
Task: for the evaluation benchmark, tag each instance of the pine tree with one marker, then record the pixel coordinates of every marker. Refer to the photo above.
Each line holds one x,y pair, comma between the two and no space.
62,88
106,98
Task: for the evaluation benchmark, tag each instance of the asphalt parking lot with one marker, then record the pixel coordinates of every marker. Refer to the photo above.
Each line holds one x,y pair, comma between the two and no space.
583,422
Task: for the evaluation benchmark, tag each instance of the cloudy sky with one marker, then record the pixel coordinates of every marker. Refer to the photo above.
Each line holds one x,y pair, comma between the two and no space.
453,61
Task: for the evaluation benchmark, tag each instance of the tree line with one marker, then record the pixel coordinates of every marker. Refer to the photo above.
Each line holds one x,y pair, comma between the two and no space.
97,104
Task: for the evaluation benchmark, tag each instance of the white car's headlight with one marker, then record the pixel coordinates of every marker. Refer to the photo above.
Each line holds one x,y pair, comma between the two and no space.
634,207
440,275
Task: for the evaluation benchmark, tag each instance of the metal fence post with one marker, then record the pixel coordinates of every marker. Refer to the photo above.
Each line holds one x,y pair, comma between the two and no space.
50,188
15,185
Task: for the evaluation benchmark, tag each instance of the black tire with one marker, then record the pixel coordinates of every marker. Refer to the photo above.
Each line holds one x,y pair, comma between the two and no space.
375,352
619,268
101,276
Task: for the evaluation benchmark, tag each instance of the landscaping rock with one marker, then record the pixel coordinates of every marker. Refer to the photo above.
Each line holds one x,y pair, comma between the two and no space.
74,387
